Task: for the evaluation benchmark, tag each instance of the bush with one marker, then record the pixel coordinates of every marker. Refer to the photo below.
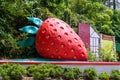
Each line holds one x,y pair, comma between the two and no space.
44,70
5,70
37,72
115,74
30,70
1,71
72,73
91,56
56,71
104,76
90,74
16,71
12,71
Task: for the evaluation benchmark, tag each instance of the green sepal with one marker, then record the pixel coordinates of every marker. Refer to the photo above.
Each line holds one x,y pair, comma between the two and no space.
27,42
29,29
36,21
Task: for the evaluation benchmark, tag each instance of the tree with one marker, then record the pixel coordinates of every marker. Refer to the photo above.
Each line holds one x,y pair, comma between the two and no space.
13,15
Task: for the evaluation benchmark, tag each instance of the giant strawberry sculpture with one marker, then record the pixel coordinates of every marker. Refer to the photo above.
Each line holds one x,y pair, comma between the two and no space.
55,40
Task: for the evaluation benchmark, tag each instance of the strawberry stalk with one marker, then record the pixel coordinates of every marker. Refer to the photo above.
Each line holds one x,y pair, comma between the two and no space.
32,30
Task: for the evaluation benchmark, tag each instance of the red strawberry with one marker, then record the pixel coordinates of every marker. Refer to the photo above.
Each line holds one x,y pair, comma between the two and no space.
55,39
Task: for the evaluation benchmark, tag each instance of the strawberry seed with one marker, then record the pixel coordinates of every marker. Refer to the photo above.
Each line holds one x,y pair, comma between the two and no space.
52,43
43,42
48,49
75,57
57,22
52,56
61,27
59,37
79,46
82,54
44,30
56,50
71,32
76,40
66,34
55,30
51,24
62,45
69,41
65,54
48,36
72,50
59,57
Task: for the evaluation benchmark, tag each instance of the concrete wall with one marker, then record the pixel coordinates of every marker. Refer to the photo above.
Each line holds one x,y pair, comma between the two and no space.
99,68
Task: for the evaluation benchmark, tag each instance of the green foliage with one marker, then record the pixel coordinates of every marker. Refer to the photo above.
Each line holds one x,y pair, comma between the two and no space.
56,71
72,73
90,74
118,55
16,71
91,56
8,45
13,15
37,72
107,55
116,25
104,76
12,71
5,71
115,74
106,30
44,70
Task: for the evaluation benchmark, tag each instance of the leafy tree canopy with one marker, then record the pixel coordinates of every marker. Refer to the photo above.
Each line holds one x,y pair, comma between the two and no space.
13,15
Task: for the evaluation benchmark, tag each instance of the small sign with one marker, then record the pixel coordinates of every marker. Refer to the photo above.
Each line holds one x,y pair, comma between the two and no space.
107,37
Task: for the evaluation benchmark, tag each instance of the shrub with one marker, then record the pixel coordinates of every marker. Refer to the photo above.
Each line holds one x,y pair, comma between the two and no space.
44,70
56,71
37,72
115,74
1,71
68,74
5,70
16,71
12,71
91,56
30,70
90,74
107,54
78,72
72,73
104,76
